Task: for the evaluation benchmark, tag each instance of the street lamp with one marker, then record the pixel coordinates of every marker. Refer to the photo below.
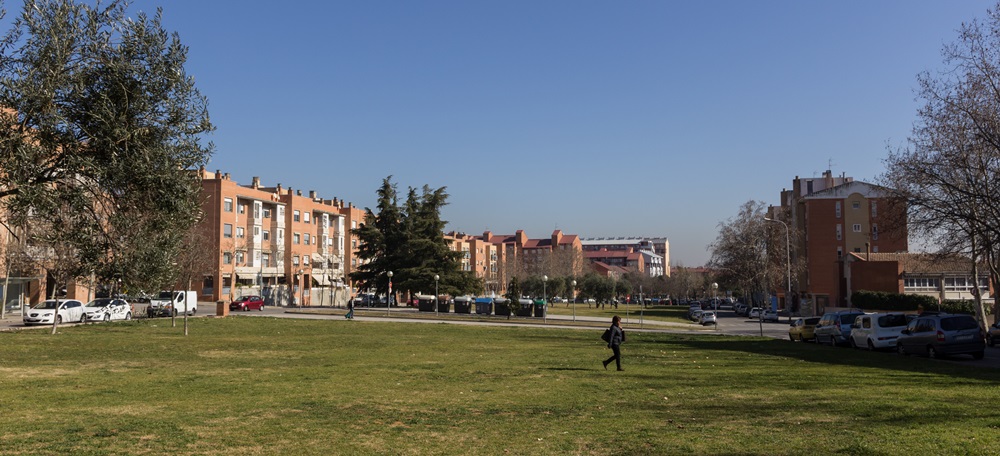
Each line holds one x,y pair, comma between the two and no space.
436,278
573,296
788,265
388,299
715,303
545,281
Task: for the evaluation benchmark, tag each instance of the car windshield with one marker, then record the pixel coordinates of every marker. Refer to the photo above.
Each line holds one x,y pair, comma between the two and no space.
812,321
958,323
99,303
848,319
163,295
709,314
892,321
45,305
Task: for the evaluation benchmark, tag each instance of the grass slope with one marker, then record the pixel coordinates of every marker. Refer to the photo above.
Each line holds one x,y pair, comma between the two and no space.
277,386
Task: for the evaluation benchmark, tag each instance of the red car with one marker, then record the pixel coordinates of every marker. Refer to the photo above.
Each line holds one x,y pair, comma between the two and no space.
247,303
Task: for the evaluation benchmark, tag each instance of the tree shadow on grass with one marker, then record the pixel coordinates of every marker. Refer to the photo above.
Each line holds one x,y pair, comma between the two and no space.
829,355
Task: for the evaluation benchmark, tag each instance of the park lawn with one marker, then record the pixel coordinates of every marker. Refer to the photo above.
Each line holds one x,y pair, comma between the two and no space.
257,385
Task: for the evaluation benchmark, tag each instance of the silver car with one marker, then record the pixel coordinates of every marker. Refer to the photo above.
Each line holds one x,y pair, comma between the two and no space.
940,335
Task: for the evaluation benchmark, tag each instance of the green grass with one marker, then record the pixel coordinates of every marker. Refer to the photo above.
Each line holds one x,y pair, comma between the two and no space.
279,386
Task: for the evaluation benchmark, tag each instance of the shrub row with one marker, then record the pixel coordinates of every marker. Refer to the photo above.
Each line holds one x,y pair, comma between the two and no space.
880,300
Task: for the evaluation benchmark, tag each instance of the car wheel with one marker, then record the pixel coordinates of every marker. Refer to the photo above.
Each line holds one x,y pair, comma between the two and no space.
246,308
261,308
128,316
901,350
107,317
175,312
871,345
854,344
58,319
932,353
83,318
990,341
978,355
791,338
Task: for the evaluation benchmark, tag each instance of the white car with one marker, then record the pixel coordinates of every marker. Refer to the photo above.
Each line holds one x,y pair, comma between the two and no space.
878,330
754,312
70,310
107,309
770,315
708,318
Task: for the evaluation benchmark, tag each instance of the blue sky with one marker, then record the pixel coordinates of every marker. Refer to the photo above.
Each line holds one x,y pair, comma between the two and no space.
649,118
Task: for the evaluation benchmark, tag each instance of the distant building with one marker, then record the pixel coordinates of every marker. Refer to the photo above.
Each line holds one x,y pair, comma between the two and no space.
942,278
655,253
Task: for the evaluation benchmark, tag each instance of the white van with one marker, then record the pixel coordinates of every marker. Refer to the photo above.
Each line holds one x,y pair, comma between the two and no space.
877,330
166,305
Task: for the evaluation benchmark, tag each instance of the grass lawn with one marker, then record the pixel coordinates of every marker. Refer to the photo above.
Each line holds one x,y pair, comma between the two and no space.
243,385
676,314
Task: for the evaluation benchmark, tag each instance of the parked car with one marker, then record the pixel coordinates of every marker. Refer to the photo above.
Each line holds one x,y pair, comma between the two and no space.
803,329
943,334
696,315
708,318
834,328
107,309
878,330
770,315
755,312
247,303
63,310
741,309
993,334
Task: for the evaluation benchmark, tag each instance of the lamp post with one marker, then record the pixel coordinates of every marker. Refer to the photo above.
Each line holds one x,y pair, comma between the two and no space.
436,278
573,296
788,265
715,303
388,299
545,303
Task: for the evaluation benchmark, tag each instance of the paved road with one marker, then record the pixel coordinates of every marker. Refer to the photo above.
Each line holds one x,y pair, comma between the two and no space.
729,324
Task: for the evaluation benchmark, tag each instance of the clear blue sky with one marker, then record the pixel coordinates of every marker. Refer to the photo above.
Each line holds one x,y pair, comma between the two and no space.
652,118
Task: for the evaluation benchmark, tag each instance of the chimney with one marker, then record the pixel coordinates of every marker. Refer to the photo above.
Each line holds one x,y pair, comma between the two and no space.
218,174
278,189
227,176
290,192
298,193
312,194
255,183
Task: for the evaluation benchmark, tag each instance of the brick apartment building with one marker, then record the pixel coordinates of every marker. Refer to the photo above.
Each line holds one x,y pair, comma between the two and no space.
276,242
655,253
836,216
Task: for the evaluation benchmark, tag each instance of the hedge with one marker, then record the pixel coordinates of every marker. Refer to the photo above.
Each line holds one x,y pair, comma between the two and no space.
880,300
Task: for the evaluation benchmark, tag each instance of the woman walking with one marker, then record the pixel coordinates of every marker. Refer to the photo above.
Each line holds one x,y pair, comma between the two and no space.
617,337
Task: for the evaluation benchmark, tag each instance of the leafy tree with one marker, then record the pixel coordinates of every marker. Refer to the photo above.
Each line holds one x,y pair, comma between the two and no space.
513,296
100,132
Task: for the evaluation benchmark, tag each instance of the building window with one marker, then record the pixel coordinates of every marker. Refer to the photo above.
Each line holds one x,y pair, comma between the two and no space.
242,208
281,236
855,204
305,217
921,284
295,238
227,230
296,216
874,249
239,257
267,213
240,232
281,212
305,237
840,252
354,243
840,233
295,260
874,232
267,235
227,258
228,205
256,231
874,205
305,260
354,224
837,208
265,260
856,227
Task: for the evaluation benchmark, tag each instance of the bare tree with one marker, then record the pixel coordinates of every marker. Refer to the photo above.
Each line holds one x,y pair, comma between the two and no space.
949,174
741,251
